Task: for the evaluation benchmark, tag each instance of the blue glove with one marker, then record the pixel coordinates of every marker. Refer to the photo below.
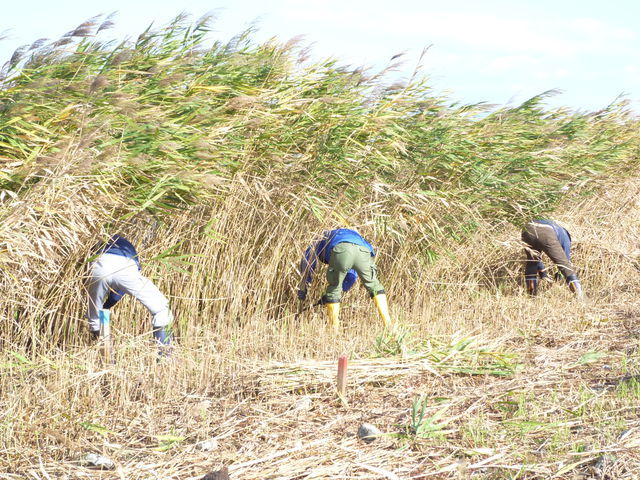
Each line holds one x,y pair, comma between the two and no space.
302,294
349,279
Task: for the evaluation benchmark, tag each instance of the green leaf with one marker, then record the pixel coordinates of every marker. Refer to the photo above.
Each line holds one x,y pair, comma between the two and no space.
92,427
21,358
167,442
591,357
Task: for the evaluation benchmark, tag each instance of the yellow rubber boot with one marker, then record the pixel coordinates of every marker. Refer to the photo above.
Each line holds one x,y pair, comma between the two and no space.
383,309
333,312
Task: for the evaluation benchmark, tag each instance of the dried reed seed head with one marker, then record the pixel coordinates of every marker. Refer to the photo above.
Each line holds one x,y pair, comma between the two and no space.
108,154
204,155
182,175
202,144
88,137
191,58
397,86
98,83
254,123
48,84
240,102
83,30
303,55
303,58
38,43
63,41
63,143
18,55
128,108
174,78
169,147
86,163
211,180
79,32
329,100
547,181
200,118
119,96
140,160
121,56
49,161
107,24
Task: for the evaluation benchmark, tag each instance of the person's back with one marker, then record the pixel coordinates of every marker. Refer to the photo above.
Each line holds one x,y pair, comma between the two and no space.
118,245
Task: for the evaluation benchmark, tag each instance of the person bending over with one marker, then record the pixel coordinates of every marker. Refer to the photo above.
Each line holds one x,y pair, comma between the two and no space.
114,272
343,250
545,236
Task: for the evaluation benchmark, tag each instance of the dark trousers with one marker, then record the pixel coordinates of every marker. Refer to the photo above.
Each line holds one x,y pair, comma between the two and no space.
542,238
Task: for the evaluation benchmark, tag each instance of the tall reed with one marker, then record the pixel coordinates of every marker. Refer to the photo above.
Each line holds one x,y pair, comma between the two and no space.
223,161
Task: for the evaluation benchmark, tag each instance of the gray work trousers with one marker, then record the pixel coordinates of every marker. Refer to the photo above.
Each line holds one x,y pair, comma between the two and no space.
121,274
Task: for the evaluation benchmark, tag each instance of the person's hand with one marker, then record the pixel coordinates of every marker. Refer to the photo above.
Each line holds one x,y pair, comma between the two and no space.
302,294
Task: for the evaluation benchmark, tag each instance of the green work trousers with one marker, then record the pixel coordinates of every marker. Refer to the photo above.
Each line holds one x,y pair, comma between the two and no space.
344,257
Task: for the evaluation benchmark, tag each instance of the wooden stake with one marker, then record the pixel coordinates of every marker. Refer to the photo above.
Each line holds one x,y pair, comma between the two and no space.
342,375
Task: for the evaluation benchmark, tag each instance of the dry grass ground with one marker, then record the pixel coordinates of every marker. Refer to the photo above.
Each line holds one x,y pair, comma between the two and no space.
500,385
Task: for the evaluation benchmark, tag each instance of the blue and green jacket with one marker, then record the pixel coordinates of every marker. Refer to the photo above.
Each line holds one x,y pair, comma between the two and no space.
321,250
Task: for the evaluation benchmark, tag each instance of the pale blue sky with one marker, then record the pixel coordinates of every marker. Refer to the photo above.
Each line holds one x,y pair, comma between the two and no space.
494,51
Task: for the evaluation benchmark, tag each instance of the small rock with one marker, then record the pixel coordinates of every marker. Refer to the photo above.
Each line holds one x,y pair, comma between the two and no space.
222,474
303,404
625,433
208,445
368,432
100,461
605,462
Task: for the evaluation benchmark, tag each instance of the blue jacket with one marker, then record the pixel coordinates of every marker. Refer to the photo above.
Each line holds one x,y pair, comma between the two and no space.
322,250
117,245
563,235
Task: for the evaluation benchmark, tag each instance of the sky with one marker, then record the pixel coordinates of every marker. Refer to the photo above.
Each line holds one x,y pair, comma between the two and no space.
500,52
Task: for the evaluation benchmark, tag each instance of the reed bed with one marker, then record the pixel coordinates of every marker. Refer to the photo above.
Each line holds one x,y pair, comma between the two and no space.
221,163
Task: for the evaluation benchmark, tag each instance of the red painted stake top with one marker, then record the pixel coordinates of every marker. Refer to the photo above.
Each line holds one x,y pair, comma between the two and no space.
342,362
342,374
